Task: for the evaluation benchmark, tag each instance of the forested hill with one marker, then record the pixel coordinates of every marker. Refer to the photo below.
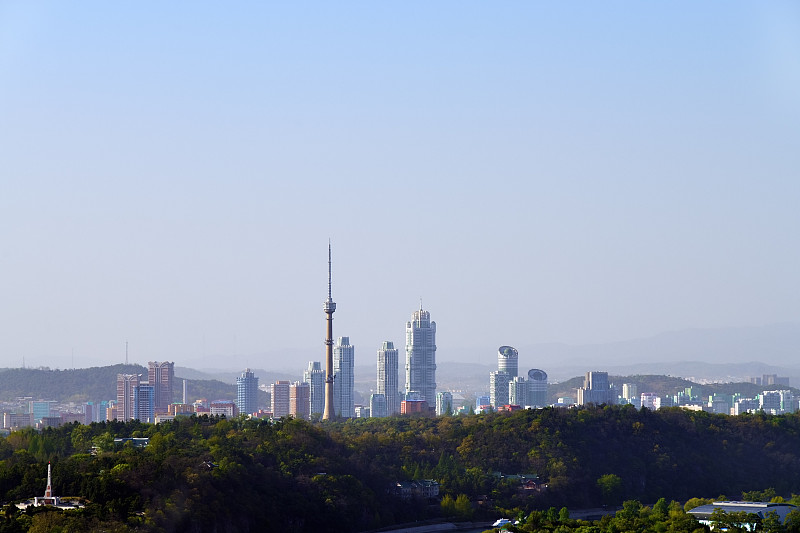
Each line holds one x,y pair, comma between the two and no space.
92,384
298,476
663,386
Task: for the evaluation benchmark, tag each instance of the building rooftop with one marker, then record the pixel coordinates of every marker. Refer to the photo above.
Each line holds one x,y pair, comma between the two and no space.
761,509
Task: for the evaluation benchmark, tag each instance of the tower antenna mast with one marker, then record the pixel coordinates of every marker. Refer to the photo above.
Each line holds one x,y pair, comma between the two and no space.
329,307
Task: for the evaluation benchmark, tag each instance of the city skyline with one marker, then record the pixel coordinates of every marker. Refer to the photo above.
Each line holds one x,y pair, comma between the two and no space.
581,174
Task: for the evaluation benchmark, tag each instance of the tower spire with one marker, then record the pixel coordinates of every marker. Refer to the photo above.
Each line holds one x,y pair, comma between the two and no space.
329,270
329,307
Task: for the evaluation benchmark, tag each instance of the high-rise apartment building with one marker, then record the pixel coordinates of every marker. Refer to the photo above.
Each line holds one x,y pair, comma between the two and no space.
344,378
388,377
144,396
280,398
596,389
421,355
299,402
537,388
508,361
126,383
444,403
314,375
776,402
518,391
161,376
498,388
630,391
247,393
377,406
650,400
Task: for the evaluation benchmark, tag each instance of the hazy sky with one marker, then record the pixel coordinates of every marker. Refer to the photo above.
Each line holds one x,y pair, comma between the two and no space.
170,174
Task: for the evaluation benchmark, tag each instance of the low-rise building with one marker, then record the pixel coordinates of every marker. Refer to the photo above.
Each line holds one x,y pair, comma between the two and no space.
419,488
225,408
704,513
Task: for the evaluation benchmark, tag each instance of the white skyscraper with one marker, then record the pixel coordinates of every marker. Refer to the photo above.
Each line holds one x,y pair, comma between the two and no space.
508,361
314,375
344,379
421,356
388,377
247,393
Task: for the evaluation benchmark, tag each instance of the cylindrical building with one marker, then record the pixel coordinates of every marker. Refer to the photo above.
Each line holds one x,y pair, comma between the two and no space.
507,361
537,388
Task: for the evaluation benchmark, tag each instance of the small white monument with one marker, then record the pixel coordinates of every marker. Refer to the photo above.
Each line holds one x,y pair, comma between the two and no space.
48,498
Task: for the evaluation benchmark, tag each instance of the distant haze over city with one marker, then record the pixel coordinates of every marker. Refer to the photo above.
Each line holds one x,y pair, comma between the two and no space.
595,185
716,354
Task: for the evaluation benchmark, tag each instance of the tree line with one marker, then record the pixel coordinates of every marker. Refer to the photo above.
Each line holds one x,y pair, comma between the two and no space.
216,474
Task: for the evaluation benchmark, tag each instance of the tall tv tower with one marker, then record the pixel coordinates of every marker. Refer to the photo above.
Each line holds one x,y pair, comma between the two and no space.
329,306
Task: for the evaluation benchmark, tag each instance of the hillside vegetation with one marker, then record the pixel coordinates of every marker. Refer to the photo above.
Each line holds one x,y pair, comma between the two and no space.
663,386
93,384
210,474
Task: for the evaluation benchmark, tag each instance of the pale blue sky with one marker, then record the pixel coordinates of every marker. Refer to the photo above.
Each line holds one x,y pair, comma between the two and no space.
535,171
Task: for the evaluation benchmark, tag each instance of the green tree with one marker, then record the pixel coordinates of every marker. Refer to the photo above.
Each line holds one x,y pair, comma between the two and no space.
691,503
610,486
661,508
792,522
759,496
448,506
772,523
463,507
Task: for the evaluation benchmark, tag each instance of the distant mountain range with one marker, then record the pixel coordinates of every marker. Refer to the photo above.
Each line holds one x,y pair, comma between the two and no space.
96,383
774,345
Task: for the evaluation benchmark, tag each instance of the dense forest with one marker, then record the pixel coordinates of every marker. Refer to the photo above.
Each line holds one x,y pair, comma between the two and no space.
213,474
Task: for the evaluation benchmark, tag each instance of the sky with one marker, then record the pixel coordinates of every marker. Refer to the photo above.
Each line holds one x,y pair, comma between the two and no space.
533,172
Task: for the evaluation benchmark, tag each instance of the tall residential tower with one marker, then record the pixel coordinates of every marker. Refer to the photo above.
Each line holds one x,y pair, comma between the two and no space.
315,377
421,356
161,375
247,393
126,384
387,377
343,370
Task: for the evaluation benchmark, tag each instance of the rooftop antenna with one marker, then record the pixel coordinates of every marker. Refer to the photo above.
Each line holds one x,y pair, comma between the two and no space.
329,270
126,352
